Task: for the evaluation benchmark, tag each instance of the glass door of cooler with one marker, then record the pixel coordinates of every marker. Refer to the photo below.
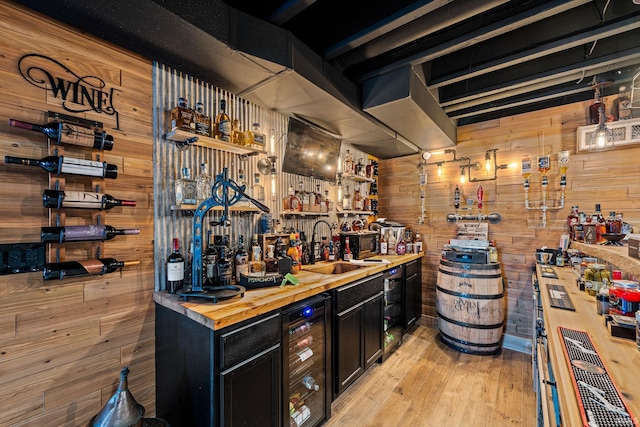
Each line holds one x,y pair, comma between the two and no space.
307,374
392,324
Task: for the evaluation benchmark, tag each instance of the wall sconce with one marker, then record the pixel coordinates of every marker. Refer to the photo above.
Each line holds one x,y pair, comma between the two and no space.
468,167
602,138
490,163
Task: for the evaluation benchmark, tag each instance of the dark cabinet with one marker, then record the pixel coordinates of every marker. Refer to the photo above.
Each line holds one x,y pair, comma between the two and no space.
210,378
357,334
412,294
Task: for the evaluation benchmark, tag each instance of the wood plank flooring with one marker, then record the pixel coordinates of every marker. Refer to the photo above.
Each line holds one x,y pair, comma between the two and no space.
426,383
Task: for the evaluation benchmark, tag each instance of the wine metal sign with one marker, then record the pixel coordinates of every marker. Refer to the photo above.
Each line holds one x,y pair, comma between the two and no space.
79,94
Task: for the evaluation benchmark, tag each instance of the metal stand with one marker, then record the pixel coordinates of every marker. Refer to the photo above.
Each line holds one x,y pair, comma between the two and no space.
220,196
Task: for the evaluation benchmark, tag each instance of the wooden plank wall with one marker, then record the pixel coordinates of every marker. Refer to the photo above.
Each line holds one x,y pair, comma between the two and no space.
63,343
610,178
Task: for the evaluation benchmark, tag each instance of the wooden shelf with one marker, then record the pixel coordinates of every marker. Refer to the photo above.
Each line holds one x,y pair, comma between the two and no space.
354,212
215,208
616,255
213,143
303,213
357,178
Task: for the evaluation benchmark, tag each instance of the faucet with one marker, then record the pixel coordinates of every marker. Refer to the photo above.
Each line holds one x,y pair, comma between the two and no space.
312,258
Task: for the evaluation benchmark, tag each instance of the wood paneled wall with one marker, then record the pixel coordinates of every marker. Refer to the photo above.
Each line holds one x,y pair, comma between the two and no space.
63,343
610,178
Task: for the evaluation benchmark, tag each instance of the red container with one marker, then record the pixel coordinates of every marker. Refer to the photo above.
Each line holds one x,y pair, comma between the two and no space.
624,298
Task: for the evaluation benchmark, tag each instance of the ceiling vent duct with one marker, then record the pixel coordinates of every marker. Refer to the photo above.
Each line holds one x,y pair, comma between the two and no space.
401,100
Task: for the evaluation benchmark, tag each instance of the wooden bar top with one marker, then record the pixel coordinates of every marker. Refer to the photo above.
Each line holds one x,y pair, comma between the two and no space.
620,356
259,301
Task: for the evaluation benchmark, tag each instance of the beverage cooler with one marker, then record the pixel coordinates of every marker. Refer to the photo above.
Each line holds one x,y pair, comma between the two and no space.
307,365
393,293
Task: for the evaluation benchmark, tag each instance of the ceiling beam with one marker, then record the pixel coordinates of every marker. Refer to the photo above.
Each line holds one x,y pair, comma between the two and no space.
288,10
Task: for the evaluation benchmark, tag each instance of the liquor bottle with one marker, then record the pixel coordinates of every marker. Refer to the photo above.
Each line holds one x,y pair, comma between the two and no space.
237,136
346,200
242,182
182,117
223,123
408,240
241,259
310,383
202,121
594,109
384,248
348,163
417,243
401,246
572,219
258,139
526,167
348,256
210,262
601,226
360,168
70,165
257,190
456,198
368,172
272,263
391,243
77,233
81,200
175,268
358,202
294,254
88,267
225,265
203,184
186,189
65,133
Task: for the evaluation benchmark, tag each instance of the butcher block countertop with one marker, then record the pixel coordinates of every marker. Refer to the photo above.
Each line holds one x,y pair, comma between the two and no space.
260,301
620,356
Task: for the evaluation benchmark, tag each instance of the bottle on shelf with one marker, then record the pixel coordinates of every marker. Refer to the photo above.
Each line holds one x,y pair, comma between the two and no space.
203,184
358,202
241,259
294,254
242,182
368,172
258,139
78,233
348,167
302,342
594,109
186,189
601,226
257,190
70,165
225,266
346,200
210,261
202,122
391,243
182,117
175,268
572,219
401,246
408,240
223,123
237,136
348,255
88,267
270,260
66,133
384,248
310,383
81,199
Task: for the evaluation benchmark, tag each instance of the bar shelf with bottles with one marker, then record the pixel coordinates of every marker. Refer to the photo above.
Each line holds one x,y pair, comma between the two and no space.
182,136
191,207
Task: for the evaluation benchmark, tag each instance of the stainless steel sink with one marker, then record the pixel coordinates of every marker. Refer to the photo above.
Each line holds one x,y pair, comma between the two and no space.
337,267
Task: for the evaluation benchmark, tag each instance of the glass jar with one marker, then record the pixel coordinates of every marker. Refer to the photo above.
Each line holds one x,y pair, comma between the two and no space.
595,276
624,298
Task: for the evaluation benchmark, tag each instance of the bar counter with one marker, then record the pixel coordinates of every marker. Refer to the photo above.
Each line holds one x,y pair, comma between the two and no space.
259,301
620,356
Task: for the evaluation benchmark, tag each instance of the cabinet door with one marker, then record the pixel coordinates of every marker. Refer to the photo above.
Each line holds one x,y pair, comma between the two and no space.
349,351
411,295
373,312
250,392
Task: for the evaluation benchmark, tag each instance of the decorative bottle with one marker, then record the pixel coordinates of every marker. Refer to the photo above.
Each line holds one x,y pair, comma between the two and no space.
175,268
70,165
65,133
81,200
78,233
88,267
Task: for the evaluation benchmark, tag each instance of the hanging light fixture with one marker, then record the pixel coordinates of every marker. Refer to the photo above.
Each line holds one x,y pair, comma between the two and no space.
602,138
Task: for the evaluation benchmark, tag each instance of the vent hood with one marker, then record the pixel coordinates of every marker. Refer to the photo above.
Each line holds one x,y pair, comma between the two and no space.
261,63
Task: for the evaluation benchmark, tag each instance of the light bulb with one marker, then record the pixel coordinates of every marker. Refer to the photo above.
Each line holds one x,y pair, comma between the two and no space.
273,188
439,170
272,141
487,160
461,175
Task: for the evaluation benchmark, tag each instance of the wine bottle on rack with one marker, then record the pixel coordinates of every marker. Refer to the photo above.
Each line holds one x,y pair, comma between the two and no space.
70,165
66,133
88,267
82,200
310,383
77,233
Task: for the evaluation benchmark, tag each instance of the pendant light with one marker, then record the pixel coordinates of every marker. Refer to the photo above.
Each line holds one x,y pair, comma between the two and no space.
602,138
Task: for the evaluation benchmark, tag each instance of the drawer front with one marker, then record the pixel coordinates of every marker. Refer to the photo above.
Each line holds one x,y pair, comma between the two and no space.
248,340
411,267
356,292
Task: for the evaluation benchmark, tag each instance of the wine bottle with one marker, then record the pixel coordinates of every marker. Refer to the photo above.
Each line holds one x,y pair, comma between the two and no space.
223,123
61,164
82,200
65,133
310,383
77,233
175,268
88,267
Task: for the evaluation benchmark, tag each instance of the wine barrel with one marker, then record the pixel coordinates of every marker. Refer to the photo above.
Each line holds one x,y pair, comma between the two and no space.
470,306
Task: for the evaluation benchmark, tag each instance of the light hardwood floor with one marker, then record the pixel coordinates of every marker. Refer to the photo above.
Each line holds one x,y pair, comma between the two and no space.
425,383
